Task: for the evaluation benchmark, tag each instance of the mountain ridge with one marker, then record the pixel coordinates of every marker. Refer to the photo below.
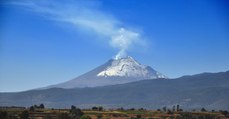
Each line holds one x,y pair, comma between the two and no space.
192,92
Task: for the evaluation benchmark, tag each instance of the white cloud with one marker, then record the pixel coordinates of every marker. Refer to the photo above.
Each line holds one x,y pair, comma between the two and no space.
87,15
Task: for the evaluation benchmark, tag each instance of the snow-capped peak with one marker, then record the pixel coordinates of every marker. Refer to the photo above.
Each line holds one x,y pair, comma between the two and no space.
128,67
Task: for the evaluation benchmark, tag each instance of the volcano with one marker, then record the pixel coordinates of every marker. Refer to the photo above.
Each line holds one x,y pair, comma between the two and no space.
115,71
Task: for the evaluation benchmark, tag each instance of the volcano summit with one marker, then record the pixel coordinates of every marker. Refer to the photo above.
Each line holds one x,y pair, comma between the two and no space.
115,71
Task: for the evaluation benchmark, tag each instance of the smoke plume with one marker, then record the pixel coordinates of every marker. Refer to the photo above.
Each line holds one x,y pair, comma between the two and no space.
122,40
87,15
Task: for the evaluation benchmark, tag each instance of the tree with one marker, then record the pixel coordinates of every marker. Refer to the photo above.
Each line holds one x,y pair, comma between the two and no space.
225,113
121,109
203,110
169,111
164,109
174,108
32,109
178,108
94,108
75,113
100,108
24,115
73,107
35,106
42,106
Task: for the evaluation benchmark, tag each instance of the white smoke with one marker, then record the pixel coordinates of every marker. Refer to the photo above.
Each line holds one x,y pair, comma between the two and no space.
87,15
121,54
123,40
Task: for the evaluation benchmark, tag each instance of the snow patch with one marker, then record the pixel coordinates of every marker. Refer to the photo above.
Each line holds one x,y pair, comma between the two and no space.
128,67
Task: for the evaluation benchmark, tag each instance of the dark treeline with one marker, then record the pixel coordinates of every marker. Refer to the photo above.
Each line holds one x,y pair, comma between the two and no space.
174,112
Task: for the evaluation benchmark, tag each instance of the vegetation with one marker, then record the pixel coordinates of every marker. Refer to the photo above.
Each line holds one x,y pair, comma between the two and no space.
100,108
40,112
85,117
24,115
75,113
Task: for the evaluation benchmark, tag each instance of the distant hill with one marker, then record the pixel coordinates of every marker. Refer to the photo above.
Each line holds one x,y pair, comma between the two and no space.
209,90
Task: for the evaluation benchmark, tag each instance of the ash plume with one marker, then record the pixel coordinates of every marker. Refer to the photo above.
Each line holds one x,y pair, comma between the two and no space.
88,16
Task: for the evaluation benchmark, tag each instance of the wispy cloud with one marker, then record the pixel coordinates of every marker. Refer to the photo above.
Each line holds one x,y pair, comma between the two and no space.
87,15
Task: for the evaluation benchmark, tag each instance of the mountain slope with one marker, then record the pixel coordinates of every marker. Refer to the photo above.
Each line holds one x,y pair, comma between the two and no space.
209,90
115,71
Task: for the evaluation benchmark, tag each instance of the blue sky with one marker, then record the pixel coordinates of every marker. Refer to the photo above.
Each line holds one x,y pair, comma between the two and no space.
46,42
